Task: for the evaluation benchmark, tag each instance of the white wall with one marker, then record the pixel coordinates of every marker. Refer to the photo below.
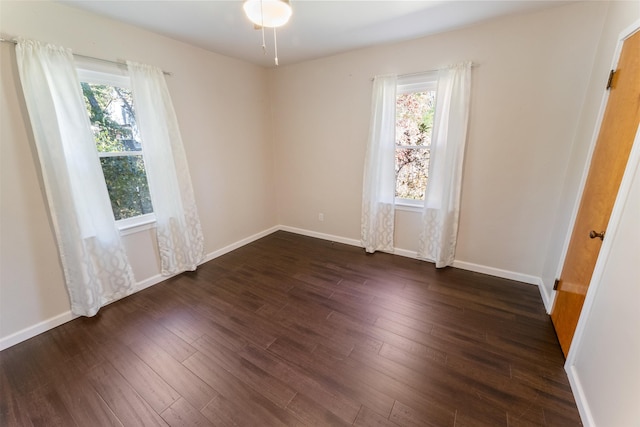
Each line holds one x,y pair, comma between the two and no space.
221,107
603,361
528,88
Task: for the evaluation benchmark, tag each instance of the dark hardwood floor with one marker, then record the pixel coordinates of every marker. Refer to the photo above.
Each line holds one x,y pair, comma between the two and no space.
291,330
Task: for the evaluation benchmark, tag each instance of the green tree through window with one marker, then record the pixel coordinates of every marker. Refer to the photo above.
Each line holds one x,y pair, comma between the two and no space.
112,116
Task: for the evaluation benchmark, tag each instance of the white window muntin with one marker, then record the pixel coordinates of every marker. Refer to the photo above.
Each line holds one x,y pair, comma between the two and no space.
423,82
117,78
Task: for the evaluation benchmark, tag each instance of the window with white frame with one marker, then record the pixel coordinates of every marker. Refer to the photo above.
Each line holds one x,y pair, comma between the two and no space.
415,107
113,122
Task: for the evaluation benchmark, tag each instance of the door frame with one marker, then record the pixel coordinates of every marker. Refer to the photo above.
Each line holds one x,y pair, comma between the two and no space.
632,168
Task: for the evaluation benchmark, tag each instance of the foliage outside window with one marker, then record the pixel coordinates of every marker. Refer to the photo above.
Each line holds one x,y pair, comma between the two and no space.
112,115
414,125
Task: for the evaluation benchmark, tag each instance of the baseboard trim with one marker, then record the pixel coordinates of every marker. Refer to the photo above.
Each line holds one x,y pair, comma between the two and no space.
55,321
147,283
580,397
463,265
154,280
547,296
498,272
37,329
323,236
62,318
406,253
239,244
547,299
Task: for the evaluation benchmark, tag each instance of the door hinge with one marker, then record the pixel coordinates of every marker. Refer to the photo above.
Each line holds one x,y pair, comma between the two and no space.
610,80
555,284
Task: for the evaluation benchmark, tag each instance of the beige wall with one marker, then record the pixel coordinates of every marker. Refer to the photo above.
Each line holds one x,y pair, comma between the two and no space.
528,89
221,107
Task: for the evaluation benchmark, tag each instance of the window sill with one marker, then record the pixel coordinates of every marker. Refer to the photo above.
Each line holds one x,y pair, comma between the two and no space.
409,206
136,224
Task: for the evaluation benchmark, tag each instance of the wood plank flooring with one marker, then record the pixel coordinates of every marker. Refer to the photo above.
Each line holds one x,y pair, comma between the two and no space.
291,330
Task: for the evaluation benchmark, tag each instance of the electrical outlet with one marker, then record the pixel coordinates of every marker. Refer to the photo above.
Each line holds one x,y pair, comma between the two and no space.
320,217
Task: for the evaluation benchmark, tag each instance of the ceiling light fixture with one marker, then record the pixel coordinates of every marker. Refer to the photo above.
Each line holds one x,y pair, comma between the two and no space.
269,14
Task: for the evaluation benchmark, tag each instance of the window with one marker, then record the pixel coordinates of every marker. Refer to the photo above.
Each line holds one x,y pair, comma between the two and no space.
415,106
113,122
403,119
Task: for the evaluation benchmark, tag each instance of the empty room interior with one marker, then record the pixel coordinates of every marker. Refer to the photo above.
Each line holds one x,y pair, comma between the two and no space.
261,278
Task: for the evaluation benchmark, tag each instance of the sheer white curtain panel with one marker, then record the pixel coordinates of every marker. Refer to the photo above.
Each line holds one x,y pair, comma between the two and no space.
178,229
94,261
440,216
379,181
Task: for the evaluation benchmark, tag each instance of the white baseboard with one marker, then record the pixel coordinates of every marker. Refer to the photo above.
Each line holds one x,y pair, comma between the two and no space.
491,271
580,397
498,272
58,320
547,296
547,299
239,243
154,280
146,283
62,318
32,331
405,253
323,236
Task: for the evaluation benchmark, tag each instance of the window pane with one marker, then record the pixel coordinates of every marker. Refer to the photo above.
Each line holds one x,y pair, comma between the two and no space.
414,118
113,122
112,118
411,172
414,123
127,184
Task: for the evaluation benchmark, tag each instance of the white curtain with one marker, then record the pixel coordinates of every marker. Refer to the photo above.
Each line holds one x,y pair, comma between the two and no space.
442,199
379,181
94,261
178,229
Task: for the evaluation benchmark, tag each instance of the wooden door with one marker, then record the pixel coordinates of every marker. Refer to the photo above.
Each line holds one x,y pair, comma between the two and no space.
617,133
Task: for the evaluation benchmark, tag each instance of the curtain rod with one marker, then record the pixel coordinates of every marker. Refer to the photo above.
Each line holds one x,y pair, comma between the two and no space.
166,73
473,65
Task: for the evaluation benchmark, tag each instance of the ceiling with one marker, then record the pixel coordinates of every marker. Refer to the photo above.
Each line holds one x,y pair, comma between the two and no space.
317,28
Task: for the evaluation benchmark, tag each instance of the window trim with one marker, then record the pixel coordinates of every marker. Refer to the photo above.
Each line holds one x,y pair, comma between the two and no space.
417,83
422,82
103,78
136,223
117,78
409,205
